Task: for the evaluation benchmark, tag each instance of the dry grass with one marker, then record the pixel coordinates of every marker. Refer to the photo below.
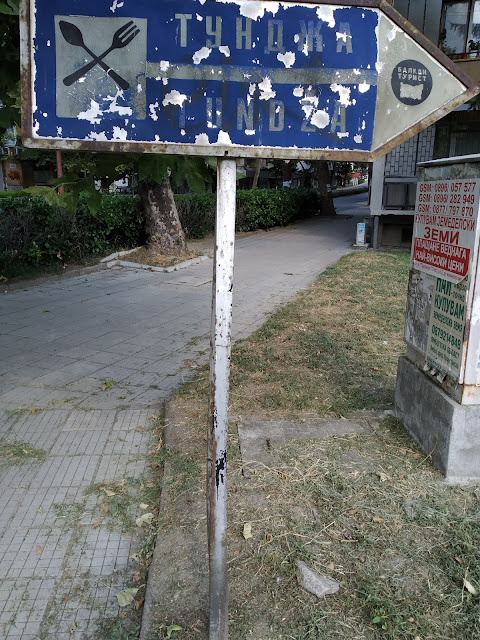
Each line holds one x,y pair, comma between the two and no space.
13,452
154,259
367,510
331,351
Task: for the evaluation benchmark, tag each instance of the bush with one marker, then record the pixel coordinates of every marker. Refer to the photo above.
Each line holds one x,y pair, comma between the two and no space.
197,213
33,232
266,208
256,209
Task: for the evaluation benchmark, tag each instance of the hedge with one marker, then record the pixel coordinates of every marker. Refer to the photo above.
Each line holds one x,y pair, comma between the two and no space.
256,209
33,232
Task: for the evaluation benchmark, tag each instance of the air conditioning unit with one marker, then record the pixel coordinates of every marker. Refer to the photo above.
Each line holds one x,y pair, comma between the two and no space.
5,151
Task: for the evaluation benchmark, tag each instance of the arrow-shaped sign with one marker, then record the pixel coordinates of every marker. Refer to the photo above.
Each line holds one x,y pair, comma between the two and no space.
237,77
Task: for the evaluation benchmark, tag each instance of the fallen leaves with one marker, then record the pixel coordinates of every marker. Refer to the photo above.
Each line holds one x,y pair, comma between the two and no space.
38,549
147,518
108,384
247,530
107,492
414,454
383,477
469,587
127,596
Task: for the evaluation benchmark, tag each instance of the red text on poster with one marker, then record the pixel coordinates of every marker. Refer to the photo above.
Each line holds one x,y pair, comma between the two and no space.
445,227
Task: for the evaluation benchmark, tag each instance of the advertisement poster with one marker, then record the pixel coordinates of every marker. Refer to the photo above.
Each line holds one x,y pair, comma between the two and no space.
13,175
447,327
445,228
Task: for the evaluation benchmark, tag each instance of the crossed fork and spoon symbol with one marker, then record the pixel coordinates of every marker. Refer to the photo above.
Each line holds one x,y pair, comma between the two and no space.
121,38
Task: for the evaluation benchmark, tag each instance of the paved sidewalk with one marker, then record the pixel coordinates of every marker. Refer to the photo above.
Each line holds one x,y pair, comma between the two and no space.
84,363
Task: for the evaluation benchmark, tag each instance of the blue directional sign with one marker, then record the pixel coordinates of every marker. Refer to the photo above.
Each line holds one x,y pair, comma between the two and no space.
238,77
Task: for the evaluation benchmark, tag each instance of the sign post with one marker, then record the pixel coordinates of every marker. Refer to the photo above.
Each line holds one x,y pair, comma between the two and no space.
222,289
312,80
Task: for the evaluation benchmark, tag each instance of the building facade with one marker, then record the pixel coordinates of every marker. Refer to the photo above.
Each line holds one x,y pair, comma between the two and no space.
454,26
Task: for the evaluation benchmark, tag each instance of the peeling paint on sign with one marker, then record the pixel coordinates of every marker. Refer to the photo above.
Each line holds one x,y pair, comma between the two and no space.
274,75
269,95
174,97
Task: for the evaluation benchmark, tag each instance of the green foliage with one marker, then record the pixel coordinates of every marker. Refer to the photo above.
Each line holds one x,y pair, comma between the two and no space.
266,208
40,227
9,7
197,213
32,231
34,254
256,209
10,65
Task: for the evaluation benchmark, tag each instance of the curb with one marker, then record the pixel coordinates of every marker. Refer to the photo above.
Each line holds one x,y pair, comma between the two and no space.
177,582
39,281
170,573
112,261
117,254
147,627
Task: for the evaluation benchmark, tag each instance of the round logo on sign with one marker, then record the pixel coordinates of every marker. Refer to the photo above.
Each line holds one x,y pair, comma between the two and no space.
411,82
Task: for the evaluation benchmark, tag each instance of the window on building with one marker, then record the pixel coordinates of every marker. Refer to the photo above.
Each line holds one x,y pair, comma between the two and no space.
464,143
399,194
460,33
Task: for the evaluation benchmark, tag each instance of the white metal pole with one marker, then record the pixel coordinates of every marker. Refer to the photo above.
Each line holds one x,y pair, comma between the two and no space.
218,401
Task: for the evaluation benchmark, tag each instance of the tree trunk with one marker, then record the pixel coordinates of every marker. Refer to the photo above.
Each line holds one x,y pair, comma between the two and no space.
162,224
327,208
258,167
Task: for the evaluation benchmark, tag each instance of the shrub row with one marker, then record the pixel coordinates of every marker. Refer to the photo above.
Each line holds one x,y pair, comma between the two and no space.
256,209
33,232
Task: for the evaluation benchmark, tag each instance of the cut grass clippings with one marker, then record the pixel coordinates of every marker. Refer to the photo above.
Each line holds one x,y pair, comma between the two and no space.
367,510
15,452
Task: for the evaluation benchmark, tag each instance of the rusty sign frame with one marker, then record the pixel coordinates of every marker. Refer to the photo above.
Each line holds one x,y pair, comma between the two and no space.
225,150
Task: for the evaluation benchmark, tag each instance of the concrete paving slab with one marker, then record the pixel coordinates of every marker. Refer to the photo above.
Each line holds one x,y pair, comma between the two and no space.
258,438
95,323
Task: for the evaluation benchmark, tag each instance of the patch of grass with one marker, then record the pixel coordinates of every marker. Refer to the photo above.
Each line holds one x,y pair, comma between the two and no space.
367,510
334,349
118,630
119,502
370,512
71,511
15,452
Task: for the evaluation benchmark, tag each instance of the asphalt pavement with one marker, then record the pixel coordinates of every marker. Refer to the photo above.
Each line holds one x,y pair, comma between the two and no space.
85,362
